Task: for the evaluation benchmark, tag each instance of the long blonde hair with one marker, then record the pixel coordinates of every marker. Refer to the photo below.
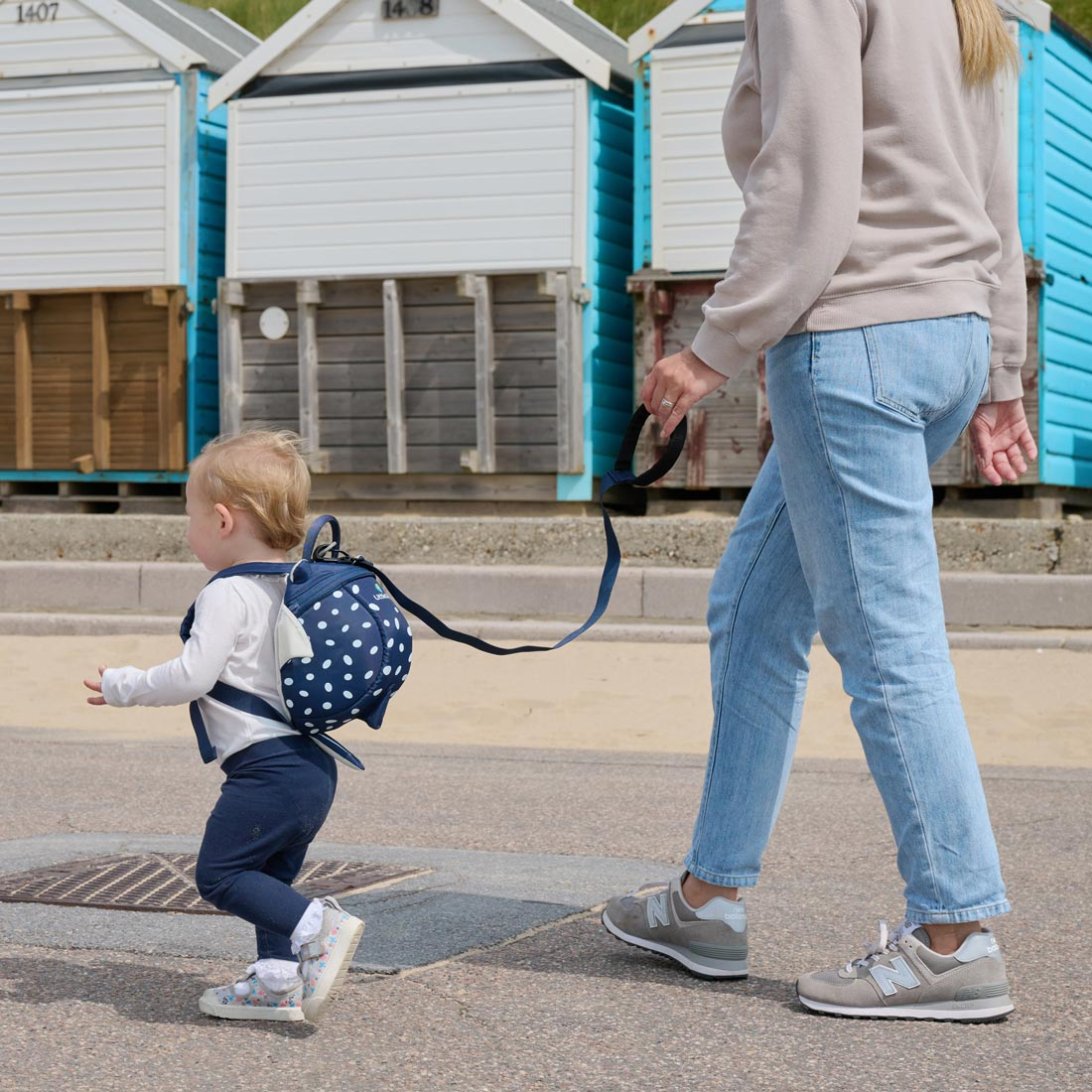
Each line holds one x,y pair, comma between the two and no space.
986,43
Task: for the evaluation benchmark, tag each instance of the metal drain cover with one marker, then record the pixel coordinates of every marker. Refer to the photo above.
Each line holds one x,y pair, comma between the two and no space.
164,881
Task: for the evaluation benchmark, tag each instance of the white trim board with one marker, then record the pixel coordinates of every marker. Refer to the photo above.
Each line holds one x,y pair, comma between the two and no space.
175,56
520,15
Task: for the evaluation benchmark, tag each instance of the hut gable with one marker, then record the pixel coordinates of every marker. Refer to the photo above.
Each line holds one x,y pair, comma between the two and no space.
80,37
340,36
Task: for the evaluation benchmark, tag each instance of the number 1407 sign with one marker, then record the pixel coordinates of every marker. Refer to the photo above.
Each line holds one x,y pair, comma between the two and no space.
409,9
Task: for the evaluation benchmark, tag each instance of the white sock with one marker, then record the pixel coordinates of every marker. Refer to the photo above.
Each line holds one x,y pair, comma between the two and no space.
278,975
309,926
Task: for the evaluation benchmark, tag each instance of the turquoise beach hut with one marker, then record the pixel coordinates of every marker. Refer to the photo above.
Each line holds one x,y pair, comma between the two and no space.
687,210
430,217
111,243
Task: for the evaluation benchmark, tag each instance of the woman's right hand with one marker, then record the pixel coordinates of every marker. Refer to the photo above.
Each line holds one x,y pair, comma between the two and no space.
1000,437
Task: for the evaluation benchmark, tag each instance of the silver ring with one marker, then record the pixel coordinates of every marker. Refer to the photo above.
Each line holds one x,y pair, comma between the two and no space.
665,402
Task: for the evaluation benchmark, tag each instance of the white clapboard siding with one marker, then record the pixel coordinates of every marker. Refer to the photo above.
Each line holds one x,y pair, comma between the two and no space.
67,39
481,177
89,179
695,204
356,38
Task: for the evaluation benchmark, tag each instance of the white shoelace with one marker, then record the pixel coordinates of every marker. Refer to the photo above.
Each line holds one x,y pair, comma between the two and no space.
888,942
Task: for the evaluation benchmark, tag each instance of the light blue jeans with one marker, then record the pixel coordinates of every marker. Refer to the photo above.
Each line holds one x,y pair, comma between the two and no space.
837,535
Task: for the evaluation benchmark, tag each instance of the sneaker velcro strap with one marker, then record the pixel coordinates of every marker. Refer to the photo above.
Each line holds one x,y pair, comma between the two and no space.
312,949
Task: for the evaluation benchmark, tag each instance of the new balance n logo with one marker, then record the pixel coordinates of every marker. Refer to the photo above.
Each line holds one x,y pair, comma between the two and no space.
657,911
898,974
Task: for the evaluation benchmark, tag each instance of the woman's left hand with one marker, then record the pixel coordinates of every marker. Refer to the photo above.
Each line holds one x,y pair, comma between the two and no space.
675,385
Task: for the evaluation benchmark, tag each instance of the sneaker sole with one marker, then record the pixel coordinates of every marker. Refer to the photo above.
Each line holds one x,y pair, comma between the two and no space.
229,1012
995,1008
714,969
314,1007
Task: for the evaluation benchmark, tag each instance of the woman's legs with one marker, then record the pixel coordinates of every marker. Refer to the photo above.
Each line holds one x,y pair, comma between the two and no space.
761,627
858,416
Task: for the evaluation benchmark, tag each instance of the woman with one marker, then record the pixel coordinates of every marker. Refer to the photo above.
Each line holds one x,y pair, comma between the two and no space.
879,263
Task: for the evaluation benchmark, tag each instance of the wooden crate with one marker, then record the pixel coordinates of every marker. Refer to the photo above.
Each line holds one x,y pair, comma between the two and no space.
729,431
93,380
414,376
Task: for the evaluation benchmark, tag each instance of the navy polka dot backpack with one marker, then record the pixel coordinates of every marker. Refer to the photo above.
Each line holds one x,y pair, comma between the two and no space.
344,645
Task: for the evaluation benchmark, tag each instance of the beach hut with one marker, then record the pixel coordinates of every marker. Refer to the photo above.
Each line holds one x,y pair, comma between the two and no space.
687,211
429,231
111,242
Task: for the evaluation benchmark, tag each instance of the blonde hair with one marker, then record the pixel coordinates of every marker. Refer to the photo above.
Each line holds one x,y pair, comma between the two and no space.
986,44
261,473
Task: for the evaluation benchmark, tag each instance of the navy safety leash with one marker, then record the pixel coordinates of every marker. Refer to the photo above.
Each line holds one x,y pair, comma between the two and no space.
621,474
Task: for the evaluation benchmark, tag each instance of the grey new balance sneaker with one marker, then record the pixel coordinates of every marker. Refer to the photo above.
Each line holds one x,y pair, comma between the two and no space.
903,978
710,942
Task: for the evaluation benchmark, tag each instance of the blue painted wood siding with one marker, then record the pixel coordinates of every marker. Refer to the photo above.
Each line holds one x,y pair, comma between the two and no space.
203,204
608,318
1066,233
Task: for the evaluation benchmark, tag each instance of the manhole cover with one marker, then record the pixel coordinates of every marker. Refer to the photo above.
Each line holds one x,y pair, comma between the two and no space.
164,881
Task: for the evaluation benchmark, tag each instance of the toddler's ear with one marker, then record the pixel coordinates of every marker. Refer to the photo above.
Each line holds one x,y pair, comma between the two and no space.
227,519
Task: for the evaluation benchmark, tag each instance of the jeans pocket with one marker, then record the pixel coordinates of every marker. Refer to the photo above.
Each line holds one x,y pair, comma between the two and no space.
920,369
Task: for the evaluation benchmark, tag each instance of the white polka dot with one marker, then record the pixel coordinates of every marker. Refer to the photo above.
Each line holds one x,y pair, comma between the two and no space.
368,675
397,624
289,703
398,670
409,632
307,722
306,660
387,622
354,711
326,705
401,648
316,606
322,625
372,606
331,720
334,611
348,678
376,693
338,594
356,589
347,660
304,694
373,650
289,681
355,606
348,694
329,688
326,664
387,670
366,625
390,643
310,678
330,642
307,712
357,644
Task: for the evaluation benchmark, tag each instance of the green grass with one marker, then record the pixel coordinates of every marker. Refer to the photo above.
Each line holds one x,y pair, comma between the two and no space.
262,17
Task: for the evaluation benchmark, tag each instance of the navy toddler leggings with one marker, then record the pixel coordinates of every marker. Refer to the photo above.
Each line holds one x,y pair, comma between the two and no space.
275,797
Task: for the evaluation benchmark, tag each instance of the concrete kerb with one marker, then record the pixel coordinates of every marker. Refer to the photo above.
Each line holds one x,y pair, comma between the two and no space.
687,541
650,595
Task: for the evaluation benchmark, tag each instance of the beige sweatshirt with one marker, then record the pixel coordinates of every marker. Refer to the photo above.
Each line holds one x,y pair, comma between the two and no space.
877,186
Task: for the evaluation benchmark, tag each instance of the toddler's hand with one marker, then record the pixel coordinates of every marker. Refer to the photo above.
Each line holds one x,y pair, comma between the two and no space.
96,685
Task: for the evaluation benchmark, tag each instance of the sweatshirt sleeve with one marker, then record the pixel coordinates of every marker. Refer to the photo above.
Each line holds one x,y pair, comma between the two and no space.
219,616
802,192
1009,308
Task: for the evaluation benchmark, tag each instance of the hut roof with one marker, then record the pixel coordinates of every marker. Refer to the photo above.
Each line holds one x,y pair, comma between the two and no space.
557,25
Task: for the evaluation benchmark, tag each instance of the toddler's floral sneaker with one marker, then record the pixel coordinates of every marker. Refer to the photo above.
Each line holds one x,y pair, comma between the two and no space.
250,999
325,959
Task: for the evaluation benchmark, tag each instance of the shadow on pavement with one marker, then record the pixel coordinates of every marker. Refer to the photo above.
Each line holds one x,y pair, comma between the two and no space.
152,995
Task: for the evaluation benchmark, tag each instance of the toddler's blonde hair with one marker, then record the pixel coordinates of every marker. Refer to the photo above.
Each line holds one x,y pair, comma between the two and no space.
262,473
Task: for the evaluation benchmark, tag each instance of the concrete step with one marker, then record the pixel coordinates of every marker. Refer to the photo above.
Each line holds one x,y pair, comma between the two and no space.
689,541
544,593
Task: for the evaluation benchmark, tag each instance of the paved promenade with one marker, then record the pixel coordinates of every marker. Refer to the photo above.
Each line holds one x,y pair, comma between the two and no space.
525,792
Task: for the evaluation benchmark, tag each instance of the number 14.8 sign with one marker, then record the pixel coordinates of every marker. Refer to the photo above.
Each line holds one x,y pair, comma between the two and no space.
409,9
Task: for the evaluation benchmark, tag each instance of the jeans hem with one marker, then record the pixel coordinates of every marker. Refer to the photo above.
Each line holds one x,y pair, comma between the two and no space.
958,917
720,879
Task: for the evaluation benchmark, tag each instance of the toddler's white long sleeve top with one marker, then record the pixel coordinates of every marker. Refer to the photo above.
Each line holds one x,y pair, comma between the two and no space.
231,639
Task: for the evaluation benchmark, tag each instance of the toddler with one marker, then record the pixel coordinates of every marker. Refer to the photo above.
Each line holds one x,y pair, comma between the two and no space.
246,500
